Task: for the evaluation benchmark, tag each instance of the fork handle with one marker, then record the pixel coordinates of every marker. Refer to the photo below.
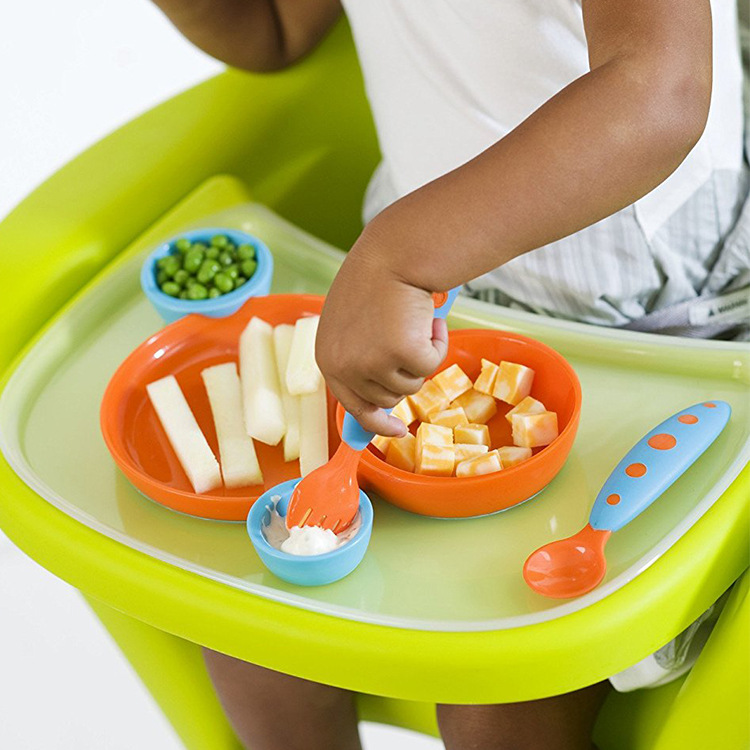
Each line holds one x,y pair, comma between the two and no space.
352,432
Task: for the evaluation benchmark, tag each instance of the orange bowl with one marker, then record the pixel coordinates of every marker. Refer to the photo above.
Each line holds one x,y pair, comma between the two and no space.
134,435
555,385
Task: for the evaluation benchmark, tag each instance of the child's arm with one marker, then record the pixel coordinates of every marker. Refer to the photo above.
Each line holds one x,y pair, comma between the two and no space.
604,141
258,35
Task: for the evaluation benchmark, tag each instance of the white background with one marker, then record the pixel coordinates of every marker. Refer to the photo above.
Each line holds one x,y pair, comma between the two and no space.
70,72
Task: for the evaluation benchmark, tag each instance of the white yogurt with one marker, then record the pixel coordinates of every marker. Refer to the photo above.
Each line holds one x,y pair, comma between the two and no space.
305,540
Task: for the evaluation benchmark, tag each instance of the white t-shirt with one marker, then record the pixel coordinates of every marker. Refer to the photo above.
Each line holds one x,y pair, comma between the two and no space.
448,78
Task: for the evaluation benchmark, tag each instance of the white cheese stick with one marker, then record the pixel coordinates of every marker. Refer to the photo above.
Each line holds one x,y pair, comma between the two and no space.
302,373
282,341
313,437
184,434
239,462
261,390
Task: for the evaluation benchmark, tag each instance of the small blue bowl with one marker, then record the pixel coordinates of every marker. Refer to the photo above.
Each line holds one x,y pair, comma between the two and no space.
172,308
311,570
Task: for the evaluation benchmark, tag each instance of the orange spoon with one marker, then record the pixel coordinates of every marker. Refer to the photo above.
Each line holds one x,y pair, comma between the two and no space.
329,496
576,565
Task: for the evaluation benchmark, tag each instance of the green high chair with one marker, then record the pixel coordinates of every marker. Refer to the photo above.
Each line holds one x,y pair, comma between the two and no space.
301,142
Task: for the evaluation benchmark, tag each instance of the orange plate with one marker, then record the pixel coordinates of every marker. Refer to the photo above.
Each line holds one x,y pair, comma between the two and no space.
132,430
555,385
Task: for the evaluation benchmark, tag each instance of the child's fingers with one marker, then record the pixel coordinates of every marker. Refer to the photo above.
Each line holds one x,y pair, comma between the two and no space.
424,363
401,381
371,417
378,395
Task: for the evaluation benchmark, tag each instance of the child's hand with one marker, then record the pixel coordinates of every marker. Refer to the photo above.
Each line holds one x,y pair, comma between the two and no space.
377,338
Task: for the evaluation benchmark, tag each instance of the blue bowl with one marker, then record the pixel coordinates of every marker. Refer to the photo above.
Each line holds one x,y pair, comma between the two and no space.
172,308
310,570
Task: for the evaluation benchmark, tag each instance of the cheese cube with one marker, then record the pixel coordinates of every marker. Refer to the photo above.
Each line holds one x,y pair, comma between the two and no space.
533,430
381,443
436,460
479,407
513,382
452,381
485,383
486,464
428,400
478,434
450,417
510,455
527,405
403,410
433,434
465,451
401,452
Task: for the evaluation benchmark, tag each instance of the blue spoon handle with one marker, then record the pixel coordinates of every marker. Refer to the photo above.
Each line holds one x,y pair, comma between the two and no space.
352,433
655,462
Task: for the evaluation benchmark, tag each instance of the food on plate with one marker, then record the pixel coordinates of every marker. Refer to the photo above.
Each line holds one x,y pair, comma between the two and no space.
510,455
453,382
402,452
197,271
451,417
404,411
433,434
485,382
239,462
282,345
513,382
479,407
313,430
465,451
435,460
428,400
527,405
302,372
381,443
534,430
485,464
472,433
184,434
261,390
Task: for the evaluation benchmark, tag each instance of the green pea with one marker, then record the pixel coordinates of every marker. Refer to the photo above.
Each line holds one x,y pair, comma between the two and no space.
239,281
223,282
202,246
207,271
226,259
183,245
246,252
161,277
183,294
212,252
171,265
197,291
232,271
181,277
172,289
220,240
213,293
248,267
193,260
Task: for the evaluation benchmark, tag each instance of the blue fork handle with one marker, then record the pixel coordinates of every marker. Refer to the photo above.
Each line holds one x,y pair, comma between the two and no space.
352,433
655,462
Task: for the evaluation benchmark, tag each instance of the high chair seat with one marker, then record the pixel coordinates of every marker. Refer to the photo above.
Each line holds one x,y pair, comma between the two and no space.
302,143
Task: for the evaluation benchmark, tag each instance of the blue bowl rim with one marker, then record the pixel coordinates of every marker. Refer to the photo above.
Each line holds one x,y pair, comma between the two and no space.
259,540
151,288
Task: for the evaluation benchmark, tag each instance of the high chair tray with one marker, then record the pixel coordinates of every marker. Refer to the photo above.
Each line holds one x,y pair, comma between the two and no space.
419,573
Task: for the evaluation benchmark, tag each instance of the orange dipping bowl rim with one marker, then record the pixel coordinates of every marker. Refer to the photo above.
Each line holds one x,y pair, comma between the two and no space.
382,477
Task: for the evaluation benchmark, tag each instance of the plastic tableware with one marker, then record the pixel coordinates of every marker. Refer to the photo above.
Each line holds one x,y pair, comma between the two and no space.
327,497
310,570
132,431
173,308
555,384
576,565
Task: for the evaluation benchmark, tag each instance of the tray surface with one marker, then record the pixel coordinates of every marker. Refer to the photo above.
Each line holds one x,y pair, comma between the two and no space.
419,573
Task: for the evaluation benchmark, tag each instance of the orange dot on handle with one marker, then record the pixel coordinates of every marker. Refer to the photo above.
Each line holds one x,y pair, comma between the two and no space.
687,419
613,499
710,405
662,441
439,299
635,470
